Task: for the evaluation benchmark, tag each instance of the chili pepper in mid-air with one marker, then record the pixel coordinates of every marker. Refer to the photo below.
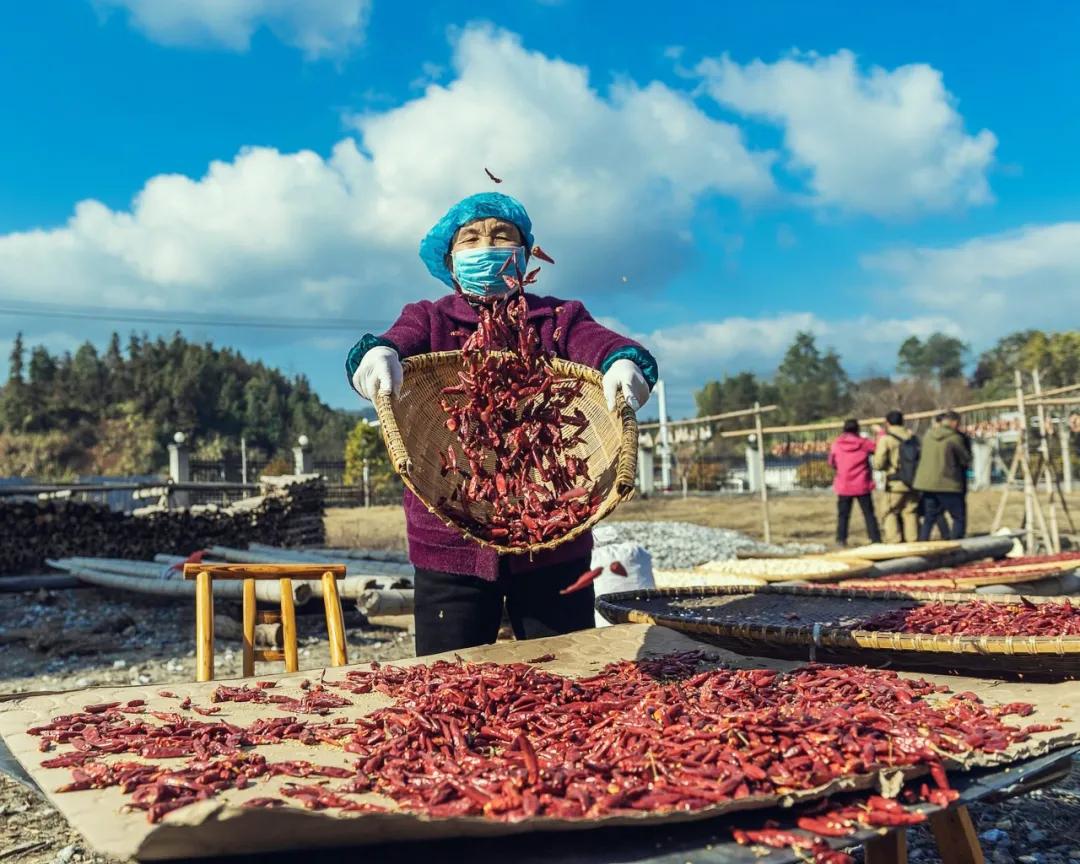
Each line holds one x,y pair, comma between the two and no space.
583,581
543,256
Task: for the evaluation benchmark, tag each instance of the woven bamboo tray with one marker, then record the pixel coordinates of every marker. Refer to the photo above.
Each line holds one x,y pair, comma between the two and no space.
887,551
414,429
821,624
1005,575
696,578
786,570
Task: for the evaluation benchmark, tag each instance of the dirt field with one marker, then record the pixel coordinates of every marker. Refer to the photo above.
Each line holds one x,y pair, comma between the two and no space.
802,518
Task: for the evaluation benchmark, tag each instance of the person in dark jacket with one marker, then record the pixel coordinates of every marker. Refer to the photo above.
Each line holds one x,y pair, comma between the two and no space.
942,476
461,587
850,458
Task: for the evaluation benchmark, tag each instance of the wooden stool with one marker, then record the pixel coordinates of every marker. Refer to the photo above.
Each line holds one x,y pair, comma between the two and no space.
204,575
957,840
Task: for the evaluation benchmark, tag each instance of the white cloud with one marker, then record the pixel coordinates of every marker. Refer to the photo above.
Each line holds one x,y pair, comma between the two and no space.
319,28
999,283
605,177
887,143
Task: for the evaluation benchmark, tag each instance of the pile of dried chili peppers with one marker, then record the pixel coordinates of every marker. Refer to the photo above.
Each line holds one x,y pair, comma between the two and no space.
977,569
979,618
515,426
508,742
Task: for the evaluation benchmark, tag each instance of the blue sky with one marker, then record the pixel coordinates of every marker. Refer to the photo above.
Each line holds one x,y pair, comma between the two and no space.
710,178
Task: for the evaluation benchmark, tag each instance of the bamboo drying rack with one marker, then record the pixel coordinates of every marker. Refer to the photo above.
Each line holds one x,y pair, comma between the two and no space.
1035,657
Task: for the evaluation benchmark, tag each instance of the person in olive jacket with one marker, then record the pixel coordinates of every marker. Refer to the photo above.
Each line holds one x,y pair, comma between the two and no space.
901,519
942,475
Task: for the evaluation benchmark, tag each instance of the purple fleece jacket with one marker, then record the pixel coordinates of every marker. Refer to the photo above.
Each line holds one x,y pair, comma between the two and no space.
425,327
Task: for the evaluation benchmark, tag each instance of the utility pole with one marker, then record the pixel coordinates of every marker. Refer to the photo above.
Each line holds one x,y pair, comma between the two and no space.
665,443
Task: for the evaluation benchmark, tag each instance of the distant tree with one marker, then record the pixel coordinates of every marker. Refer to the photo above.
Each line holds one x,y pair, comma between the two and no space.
811,385
709,399
1055,355
733,393
365,444
215,395
14,398
940,357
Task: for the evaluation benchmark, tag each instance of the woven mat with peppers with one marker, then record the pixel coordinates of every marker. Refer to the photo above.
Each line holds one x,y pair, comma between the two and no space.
506,740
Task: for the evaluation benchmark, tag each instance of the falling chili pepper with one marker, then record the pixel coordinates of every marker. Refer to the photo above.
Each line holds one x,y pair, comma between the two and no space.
492,176
583,581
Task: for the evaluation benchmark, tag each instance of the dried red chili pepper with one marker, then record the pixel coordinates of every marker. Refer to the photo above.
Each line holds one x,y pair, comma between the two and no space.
583,581
517,484
513,741
980,618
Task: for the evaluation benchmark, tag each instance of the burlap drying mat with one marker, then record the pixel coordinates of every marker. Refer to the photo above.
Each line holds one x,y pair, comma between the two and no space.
796,621
220,827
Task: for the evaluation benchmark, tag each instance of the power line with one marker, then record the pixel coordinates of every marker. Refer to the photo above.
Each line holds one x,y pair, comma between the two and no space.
188,319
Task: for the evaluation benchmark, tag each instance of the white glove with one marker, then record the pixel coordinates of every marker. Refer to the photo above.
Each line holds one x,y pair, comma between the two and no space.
379,372
624,375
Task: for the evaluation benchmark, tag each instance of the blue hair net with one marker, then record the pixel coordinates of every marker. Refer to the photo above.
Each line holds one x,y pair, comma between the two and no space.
484,205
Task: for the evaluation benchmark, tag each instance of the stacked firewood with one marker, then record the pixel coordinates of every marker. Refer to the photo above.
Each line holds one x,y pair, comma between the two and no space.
286,514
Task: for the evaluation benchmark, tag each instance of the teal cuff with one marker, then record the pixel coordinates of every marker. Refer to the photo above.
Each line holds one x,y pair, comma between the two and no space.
639,357
357,352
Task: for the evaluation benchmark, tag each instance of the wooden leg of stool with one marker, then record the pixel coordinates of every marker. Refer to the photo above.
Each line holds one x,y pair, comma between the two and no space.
288,626
890,849
335,625
204,627
956,839
249,627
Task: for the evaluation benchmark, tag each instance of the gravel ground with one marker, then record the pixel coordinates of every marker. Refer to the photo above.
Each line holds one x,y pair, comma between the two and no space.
677,545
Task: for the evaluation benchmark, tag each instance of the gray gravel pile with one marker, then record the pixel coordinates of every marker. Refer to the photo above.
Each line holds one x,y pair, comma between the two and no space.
677,545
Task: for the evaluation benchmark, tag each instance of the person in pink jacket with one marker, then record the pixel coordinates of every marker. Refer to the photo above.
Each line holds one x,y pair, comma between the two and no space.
850,456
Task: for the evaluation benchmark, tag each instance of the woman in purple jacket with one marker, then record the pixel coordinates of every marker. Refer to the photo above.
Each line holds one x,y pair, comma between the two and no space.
461,587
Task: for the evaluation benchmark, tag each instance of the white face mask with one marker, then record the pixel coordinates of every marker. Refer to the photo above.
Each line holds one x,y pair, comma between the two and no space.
480,272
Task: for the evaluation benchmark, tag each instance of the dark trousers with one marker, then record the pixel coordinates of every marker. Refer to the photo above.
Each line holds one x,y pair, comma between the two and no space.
454,611
843,517
935,506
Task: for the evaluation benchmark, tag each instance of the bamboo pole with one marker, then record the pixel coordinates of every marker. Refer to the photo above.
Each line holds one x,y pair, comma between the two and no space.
249,628
1044,442
1066,455
1053,483
767,525
1031,498
288,626
1009,479
1021,446
711,418
870,421
865,421
1047,468
204,627
335,625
